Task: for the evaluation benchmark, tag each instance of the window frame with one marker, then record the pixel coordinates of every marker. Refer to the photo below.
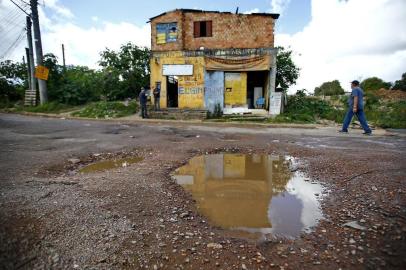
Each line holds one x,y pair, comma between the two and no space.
198,26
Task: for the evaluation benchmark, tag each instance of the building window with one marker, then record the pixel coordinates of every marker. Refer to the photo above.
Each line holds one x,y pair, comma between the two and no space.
203,29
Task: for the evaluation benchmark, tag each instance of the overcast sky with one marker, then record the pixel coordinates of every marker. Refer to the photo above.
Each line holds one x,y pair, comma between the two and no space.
331,39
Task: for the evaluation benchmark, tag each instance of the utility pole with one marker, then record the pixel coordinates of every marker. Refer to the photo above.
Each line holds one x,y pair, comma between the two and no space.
27,54
30,57
38,49
63,56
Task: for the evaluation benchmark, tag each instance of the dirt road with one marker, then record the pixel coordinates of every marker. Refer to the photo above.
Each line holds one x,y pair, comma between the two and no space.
137,217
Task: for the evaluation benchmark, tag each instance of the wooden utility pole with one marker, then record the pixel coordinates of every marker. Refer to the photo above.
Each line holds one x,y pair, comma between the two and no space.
27,54
63,56
38,49
30,57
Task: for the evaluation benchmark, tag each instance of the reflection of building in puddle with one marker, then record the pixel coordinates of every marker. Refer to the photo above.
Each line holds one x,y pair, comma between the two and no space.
253,193
235,190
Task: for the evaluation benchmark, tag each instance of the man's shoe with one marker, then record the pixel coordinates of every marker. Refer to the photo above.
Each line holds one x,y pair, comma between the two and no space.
342,131
367,133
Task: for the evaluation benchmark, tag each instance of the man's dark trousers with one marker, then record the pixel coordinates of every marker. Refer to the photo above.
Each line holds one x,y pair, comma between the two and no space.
144,111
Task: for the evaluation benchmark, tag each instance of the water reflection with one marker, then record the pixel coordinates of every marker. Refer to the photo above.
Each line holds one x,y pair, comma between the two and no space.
110,164
252,193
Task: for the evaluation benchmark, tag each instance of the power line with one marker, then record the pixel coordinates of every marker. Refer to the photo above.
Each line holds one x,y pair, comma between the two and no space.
20,7
15,44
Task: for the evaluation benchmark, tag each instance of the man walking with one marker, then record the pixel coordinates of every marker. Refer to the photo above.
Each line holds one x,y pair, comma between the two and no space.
356,106
143,103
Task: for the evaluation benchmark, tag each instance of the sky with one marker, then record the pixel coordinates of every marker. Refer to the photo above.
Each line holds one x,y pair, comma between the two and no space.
330,39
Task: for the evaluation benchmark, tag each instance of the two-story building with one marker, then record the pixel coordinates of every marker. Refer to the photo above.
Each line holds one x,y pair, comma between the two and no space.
201,59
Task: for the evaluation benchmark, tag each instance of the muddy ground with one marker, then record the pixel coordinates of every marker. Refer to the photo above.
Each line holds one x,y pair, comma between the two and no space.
136,217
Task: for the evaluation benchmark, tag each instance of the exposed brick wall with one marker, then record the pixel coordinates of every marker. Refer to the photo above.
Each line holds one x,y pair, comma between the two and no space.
229,31
175,16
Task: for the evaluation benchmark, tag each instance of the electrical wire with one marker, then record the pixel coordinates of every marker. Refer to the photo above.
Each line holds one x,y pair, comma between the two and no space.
14,45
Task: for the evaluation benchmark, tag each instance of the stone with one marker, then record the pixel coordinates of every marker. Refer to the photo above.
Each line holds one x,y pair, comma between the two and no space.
354,225
214,245
74,160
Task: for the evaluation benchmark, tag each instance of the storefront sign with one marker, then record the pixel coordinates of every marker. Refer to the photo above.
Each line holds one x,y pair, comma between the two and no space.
177,70
275,103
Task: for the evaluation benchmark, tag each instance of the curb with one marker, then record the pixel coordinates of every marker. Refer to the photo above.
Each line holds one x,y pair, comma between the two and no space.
163,121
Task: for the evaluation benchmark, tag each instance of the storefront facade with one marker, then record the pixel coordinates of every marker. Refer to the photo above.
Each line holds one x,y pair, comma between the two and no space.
196,63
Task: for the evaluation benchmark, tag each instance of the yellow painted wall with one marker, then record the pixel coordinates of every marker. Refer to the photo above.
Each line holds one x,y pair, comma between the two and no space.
190,88
235,88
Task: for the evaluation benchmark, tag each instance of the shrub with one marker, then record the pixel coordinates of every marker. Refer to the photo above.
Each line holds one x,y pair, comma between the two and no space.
217,113
104,109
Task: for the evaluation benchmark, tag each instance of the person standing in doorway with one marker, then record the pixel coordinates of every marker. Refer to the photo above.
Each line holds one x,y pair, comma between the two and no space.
143,103
356,106
157,96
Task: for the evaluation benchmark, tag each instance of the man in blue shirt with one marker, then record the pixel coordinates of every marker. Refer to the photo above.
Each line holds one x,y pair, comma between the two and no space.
356,106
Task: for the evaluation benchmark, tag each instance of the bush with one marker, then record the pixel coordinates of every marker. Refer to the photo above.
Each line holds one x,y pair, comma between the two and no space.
50,107
304,109
106,109
391,115
217,113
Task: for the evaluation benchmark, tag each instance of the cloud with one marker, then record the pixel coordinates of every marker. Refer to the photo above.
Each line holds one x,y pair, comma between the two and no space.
348,40
255,10
59,8
82,44
95,18
279,6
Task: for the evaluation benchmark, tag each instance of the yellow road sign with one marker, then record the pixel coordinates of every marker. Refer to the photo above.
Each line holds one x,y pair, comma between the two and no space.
41,73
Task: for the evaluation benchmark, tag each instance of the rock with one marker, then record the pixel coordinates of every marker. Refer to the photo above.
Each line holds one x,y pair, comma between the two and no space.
354,225
352,241
374,188
183,215
74,160
244,267
214,245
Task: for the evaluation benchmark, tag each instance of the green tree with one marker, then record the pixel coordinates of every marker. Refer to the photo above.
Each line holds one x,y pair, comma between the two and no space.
81,85
400,84
332,88
55,80
125,71
13,70
286,72
373,84
13,81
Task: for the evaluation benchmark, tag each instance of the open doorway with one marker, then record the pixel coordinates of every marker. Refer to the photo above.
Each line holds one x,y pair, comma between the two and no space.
256,82
172,91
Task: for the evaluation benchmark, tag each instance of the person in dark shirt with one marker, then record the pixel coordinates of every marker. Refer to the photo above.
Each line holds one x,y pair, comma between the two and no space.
157,96
356,106
143,103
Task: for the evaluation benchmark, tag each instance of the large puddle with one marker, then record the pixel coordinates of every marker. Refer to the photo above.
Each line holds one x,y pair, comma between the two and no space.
109,164
254,194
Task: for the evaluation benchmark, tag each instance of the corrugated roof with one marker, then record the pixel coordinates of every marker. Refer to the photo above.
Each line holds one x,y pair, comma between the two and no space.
273,15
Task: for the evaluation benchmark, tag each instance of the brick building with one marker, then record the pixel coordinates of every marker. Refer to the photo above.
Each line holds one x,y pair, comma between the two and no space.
201,59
